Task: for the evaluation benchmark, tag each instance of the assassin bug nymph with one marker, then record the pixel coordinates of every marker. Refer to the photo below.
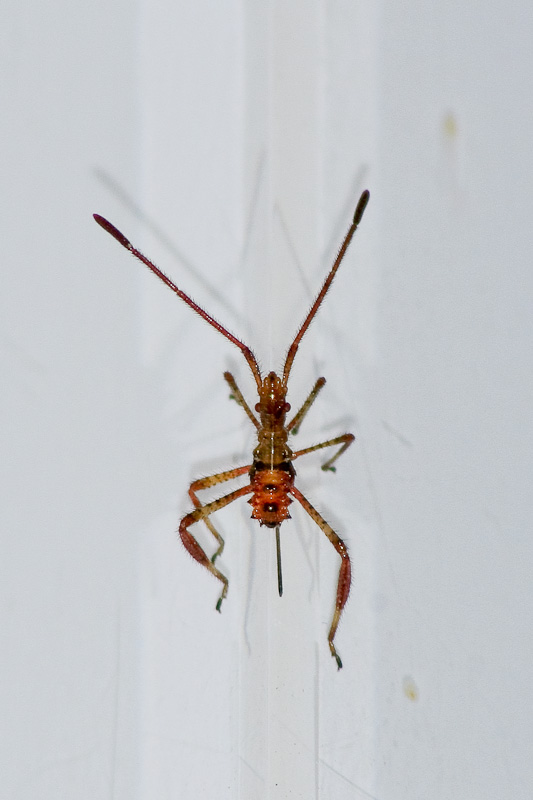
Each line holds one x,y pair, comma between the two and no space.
271,474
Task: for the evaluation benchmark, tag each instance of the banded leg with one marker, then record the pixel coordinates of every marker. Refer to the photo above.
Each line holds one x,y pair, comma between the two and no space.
206,483
345,571
192,546
295,423
237,395
346,439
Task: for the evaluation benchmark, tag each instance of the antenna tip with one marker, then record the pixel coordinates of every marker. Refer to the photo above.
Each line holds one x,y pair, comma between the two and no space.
361,205
107,226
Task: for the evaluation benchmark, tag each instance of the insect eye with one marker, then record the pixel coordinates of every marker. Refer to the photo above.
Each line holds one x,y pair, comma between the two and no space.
287,407
258,406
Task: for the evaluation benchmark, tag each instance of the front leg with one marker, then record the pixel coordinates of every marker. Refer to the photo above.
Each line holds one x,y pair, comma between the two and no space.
238,396
296,421
194,548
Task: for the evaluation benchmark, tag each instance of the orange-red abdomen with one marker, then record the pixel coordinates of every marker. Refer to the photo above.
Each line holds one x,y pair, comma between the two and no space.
270,500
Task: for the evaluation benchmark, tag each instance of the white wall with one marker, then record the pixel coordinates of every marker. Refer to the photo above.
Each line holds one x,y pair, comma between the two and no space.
231,142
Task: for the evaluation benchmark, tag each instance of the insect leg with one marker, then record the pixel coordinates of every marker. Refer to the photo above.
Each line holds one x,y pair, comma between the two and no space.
345,572
295,423
206,483
346,439
237,395
192,546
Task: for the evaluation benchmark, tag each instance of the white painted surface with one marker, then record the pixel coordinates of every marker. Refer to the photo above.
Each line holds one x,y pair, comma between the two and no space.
246,132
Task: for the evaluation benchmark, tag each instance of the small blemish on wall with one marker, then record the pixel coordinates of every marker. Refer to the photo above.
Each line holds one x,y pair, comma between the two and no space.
449,126
410,689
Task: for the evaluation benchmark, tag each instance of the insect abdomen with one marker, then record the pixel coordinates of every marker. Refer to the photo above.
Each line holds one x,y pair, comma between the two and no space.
270,500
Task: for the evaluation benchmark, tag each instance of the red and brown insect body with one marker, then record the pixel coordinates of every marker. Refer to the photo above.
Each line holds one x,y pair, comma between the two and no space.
271,474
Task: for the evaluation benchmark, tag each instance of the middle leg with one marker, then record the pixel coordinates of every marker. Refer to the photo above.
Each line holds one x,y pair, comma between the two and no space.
194,548
207,483
345,440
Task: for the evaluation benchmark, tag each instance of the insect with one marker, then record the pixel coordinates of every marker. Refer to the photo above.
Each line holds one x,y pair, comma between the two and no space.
271,474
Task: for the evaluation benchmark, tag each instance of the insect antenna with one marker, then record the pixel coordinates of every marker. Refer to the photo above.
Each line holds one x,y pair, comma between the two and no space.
246,351
278,559
359,211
